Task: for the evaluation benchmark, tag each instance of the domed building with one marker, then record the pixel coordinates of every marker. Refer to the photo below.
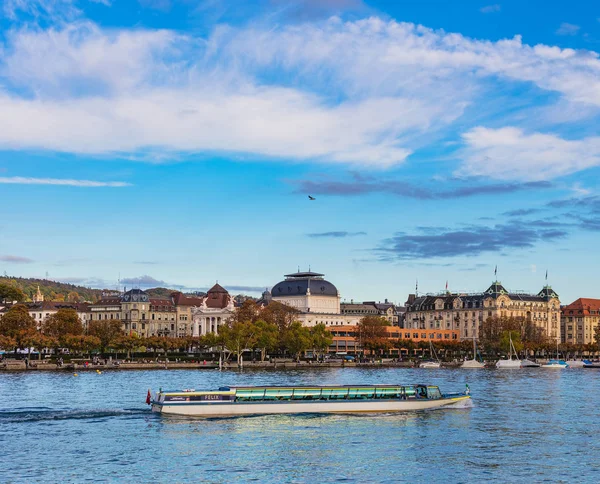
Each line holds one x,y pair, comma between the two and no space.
308,292
317,299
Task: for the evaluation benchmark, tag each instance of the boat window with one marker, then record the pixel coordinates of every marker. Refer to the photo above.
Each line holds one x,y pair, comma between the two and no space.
434,393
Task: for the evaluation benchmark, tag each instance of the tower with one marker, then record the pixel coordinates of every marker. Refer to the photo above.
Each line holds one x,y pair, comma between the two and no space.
39,297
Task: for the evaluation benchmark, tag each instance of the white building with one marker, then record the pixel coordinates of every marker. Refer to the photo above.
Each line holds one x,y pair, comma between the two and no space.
317,300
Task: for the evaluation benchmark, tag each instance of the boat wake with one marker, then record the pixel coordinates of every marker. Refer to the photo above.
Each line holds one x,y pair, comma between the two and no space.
467,403
46,414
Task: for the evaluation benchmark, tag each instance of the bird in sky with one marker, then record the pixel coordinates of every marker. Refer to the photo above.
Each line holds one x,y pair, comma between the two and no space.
311,198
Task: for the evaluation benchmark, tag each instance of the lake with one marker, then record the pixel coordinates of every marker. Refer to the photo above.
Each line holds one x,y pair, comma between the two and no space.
524,426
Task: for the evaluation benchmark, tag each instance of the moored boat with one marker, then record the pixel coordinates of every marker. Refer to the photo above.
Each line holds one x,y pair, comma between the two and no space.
510,363
237,401
435,363
556,365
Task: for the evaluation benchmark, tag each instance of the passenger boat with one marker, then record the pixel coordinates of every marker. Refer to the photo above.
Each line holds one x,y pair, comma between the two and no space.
236,401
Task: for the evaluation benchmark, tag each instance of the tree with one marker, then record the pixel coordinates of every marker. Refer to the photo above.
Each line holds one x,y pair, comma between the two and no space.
129,343
238,336
35,339
80,343
597,336
65,321
59,298
267,337
10,293
372,333
280,314
15,321
505,339
106,330
321,337
406,344
296,339
7,342
73,297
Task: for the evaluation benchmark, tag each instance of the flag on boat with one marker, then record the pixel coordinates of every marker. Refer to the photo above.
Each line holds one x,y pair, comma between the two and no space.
148,397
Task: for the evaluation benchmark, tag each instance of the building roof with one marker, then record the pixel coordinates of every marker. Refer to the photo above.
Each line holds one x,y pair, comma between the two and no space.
305,274
583,305
217,288
180,299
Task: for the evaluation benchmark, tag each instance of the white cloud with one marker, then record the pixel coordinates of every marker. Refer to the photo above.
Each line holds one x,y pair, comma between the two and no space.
20,180
568,29
509,153
490,8
368,92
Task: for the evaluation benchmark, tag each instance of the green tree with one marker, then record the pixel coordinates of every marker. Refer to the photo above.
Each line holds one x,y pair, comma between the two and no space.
10,293
372,333
238,336
267,337
321,337
65,321
505,339
296,339
128,343
106,330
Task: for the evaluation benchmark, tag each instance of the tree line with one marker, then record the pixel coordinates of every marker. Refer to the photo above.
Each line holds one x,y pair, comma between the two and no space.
263,330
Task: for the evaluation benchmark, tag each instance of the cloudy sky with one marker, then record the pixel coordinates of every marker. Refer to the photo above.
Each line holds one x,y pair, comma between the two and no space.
176,142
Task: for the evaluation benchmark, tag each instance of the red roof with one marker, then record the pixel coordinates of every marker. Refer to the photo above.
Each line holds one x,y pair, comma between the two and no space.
583,305
180,299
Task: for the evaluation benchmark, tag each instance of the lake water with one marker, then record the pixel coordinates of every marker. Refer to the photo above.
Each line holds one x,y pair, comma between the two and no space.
524,426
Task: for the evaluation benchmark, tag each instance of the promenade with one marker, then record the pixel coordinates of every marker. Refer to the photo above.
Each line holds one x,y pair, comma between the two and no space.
117,365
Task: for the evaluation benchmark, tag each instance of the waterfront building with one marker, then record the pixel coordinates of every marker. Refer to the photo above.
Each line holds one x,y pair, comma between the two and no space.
579,321
316,299
346,339
40,311
214,310
385,310
466,312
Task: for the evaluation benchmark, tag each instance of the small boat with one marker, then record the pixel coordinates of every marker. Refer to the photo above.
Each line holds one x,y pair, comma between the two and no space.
578,363
435,363
510,363
473,364
236,401
529,364
556,364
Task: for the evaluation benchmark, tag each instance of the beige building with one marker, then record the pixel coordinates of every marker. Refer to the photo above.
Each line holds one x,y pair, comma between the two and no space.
579,321
385,310
466,312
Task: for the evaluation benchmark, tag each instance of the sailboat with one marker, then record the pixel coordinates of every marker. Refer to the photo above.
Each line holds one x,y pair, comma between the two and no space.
435,363
473,363
556,364
510,363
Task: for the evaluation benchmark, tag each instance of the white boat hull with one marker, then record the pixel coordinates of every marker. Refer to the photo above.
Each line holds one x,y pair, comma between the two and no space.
529,364
472,364
508,364
430,364
555,366
218,409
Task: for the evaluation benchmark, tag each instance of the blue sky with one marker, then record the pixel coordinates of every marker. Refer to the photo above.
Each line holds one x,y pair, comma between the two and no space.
175,142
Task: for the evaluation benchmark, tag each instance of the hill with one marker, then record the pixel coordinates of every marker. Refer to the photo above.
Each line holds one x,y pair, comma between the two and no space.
53,290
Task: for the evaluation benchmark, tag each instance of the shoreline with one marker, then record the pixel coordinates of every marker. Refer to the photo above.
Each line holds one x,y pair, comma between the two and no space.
19,366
